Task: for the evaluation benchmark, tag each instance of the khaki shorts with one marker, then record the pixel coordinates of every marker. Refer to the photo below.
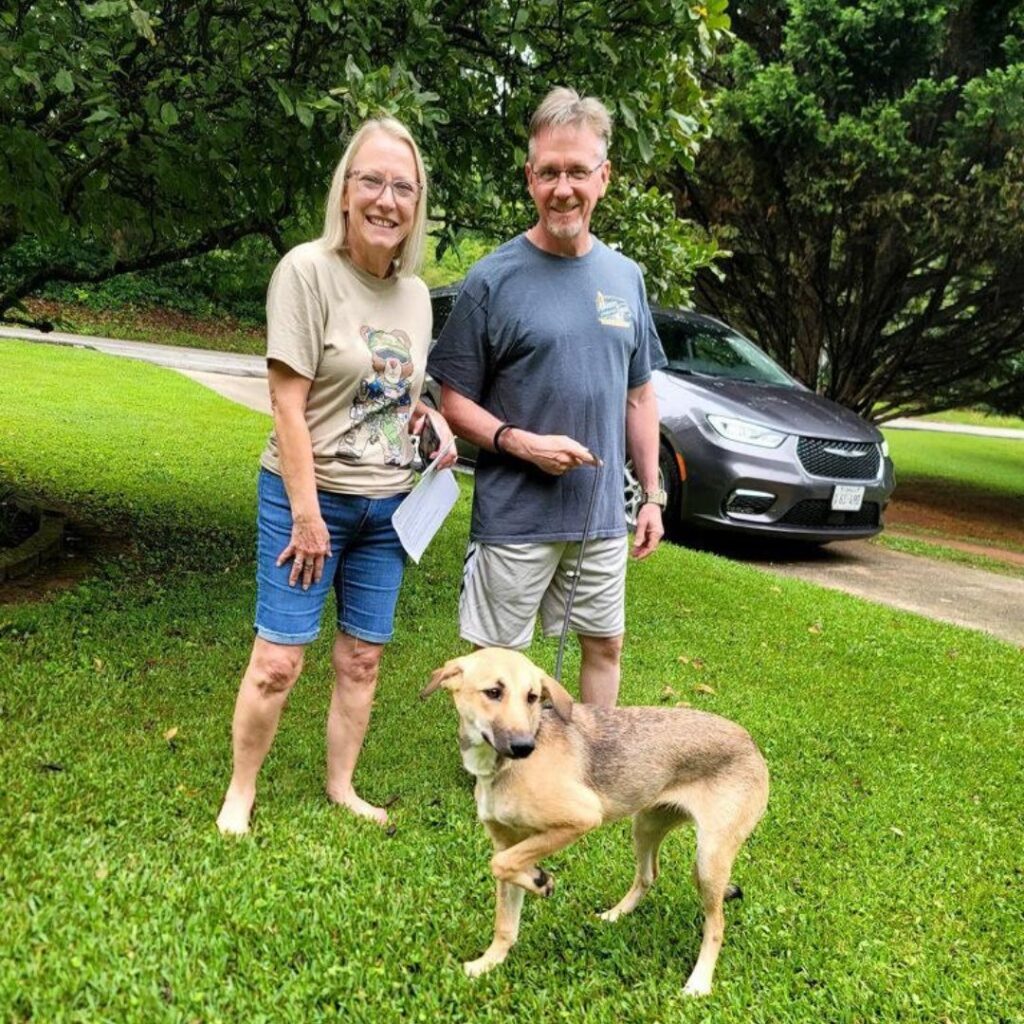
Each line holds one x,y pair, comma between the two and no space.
504,586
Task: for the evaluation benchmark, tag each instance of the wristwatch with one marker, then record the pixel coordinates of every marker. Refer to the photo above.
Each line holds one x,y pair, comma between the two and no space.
657,497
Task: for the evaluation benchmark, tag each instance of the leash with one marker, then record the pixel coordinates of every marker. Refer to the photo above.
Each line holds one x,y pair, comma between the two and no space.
576,573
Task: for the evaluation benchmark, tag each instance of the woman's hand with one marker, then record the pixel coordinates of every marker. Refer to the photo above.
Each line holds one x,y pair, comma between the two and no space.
444,434
309,548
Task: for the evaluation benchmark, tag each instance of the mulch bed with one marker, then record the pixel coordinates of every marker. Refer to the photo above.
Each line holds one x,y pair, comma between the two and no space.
70,316
990,524
16,525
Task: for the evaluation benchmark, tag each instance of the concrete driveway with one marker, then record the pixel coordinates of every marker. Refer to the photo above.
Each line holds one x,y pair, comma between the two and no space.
937,589
941,590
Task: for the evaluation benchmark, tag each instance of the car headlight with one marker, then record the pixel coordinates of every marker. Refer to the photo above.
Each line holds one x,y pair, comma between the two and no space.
746,432
885,449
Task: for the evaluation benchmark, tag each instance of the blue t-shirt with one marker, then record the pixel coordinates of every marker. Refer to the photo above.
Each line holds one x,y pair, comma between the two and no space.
550,344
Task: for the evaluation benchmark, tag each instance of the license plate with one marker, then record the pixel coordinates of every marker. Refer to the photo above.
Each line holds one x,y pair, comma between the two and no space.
846,498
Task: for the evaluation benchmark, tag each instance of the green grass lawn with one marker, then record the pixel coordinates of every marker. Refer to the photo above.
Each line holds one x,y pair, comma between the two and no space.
976,418
992,464
883,885
978,481
935,549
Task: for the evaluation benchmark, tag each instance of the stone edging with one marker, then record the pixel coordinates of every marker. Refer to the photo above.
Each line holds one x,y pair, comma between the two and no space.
44,545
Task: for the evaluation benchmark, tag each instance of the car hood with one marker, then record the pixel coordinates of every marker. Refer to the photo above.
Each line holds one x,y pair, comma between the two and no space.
790,410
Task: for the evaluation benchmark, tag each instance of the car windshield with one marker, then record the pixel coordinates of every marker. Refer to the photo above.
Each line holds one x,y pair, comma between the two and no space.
716,351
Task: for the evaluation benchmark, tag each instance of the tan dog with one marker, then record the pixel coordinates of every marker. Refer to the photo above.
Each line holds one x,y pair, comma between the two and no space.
545,776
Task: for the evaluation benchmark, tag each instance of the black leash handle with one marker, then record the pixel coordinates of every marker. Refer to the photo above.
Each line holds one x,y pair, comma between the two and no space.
576,574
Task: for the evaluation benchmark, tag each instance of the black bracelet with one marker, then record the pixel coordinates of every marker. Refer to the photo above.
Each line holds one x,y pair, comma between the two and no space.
501,430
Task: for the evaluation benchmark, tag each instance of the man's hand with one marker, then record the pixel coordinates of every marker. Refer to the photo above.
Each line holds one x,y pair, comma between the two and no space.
554,453
649,530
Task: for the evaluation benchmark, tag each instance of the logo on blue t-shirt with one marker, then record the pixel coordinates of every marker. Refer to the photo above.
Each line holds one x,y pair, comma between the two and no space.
613,312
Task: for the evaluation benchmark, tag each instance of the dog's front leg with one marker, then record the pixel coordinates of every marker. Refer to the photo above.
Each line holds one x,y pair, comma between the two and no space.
506,930
518,864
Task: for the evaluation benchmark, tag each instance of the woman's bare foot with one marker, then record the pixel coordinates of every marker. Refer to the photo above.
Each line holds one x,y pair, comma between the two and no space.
357,805
233,819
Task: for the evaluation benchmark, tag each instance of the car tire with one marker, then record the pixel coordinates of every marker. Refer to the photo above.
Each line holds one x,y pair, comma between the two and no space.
668,479
671,481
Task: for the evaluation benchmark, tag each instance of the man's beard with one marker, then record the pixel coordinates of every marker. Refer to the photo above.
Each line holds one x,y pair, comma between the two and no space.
558,228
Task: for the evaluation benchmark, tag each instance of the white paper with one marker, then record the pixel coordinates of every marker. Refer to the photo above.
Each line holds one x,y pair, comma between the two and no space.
425,508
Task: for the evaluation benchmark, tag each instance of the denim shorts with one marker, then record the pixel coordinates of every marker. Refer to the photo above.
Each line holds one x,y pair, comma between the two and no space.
365,567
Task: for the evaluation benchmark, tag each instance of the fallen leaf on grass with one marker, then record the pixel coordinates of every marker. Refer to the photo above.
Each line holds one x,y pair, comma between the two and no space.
704,688
102,871
170,734
98,664
814,629
683,659
697,663
896,831
775,590
683,704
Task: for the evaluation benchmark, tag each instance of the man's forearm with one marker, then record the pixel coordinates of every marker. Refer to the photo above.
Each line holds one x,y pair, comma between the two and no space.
470,421
643,436
553,453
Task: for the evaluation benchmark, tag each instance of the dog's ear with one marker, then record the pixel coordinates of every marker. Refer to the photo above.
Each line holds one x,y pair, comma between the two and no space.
448,671
559,696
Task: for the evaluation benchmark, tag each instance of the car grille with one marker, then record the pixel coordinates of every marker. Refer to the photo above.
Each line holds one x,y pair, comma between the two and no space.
819,512
825,458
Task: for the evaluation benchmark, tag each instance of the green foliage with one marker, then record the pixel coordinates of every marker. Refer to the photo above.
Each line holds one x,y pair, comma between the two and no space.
882,885
455,258
670,250
866,170
221,282
135,134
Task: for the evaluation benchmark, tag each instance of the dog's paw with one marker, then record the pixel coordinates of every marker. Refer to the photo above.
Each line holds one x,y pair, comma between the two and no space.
483,964
610,915
696,989
544,884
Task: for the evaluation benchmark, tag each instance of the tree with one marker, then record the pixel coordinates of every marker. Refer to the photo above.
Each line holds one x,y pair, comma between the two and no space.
137,134
866,172
134,133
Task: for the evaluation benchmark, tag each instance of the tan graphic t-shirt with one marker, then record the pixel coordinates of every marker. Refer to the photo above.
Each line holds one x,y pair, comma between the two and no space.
363,343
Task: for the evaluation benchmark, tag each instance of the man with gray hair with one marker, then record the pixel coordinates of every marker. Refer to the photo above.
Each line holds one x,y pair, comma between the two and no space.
545,364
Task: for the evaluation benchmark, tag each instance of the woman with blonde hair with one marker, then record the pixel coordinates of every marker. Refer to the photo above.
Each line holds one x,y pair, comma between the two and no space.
348,327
